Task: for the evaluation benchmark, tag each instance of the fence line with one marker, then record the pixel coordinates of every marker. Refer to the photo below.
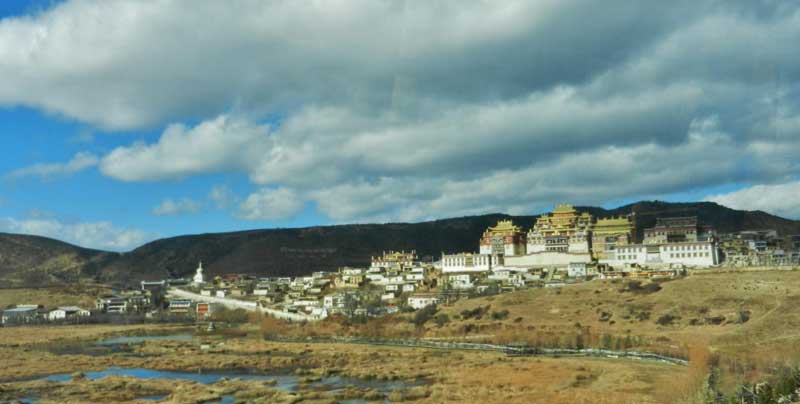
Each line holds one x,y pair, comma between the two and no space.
513,350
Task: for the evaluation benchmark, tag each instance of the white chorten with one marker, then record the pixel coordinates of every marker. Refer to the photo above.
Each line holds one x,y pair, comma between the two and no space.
198,276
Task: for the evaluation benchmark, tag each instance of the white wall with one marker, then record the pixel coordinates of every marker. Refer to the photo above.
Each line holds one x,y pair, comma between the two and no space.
547,258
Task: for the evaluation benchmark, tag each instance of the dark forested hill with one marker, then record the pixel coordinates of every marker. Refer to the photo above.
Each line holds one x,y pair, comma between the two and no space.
35,260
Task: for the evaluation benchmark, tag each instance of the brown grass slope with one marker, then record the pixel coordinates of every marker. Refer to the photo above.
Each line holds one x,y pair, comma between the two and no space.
748,319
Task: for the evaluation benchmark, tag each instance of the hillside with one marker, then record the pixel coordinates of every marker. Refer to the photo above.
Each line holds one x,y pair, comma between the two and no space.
35,260
746,318
38,261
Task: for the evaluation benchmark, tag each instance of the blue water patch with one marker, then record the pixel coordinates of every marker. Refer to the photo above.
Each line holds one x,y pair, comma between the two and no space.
284,382
139,373
141,339
157,397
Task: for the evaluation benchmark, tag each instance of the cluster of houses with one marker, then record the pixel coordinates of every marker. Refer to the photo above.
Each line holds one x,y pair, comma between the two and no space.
760,248
562,247
33,314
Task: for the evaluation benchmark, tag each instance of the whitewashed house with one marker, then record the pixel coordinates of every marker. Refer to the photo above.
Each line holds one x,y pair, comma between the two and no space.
63,313
419,301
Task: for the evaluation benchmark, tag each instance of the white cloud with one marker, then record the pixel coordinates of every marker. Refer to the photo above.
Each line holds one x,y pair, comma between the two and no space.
99,235
221,144
170,207
271,204
778,199
410,121
47,171
122,64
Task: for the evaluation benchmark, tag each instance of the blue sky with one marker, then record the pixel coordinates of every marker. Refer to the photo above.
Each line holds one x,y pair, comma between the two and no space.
122,122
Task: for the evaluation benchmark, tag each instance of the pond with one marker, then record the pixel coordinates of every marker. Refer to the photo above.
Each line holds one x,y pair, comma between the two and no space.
142,339
285,382
108,346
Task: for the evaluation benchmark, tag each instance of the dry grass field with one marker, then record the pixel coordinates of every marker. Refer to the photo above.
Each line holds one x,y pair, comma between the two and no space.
452,376
747,321
77,295
742,324
745,324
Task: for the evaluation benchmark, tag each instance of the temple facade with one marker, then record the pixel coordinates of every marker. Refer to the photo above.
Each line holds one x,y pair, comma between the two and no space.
677,230
564,230
608,234
394,260
469,262
503,239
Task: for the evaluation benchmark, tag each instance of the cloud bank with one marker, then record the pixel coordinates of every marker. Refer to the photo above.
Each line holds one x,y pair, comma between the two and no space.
380,111
98,235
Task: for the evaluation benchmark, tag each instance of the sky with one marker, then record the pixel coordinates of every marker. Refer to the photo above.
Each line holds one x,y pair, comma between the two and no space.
126,121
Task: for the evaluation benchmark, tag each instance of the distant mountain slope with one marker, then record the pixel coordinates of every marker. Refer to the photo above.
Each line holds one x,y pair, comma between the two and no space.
723,219
301,251
40,261
298,251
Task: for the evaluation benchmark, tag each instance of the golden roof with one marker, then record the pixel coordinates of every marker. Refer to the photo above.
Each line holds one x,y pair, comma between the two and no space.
613,225
564,208
504,225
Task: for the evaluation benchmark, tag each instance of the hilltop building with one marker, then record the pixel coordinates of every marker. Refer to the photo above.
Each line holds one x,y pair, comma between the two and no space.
469,262
677,230
696,254
503,239
609,234
564,230
674,241
394,260
557,239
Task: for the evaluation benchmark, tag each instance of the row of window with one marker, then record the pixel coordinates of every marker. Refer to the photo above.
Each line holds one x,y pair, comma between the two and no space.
688,247
672,255
689,255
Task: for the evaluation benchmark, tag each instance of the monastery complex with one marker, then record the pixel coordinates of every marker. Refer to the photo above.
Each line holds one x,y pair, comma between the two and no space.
568,238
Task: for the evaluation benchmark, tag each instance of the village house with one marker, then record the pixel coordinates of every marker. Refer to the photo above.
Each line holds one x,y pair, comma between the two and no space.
21,314
67,312
180,306
462,281
418,301
206,310
349,278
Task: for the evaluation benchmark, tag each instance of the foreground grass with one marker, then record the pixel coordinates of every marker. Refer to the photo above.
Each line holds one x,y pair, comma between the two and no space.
452,376
76,295
744,324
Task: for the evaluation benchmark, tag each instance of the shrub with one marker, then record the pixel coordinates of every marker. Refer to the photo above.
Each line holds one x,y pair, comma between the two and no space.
272,327
424,314
441,320
476,313
500,315
237,316
636,287
666,319
744,316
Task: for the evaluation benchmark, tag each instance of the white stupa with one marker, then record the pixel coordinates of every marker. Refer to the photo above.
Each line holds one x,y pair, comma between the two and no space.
198,276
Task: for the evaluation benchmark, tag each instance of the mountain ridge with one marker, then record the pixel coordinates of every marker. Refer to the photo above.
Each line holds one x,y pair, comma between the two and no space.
32,260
